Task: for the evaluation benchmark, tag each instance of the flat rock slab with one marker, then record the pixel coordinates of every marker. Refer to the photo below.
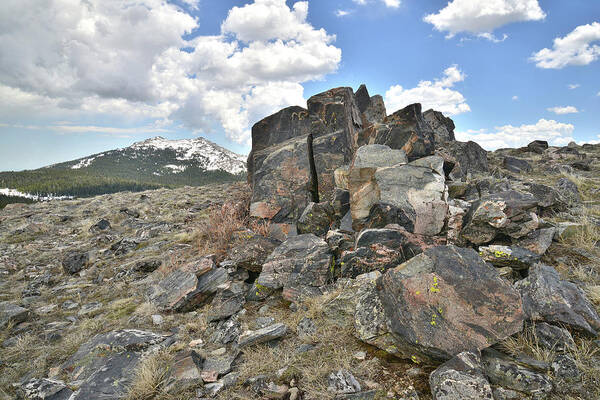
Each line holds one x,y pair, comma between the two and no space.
106,364
448,300
263,335
45,389
548,298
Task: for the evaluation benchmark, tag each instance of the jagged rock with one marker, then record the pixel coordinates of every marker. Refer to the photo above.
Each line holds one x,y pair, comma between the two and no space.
227,331
105,365
567,230
457,209
516,165
462,159
147,265
584,165
343,382
45,389
263,335
548,298
378,156
546,196
372,108
301,263
252,253
381,249
553,337
212,389
565,367
405,129
184,371
89,309
227,302
100,226
510,213
220,362
124,246
183,290
516,258
501,393
537,241
75,261
503,371
442,126
461,378
340,203
339,241
568,189
317,218
416,189
538,146
12,313
340,176
433,311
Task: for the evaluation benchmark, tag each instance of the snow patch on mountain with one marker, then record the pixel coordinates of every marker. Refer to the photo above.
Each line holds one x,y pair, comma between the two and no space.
35,197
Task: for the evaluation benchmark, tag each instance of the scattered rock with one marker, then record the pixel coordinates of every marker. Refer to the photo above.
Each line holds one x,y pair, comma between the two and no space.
45,389
75,261
516,165
100,226
538,146
537,241
553,337
343,382
504,256
252,253
12,313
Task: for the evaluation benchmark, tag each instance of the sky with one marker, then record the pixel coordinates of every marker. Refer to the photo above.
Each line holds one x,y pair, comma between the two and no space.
78,77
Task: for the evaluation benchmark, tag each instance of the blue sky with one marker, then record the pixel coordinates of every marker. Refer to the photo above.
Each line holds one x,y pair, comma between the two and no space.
78,78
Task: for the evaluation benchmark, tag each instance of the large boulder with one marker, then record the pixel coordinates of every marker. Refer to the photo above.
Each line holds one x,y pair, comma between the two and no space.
416,190
548,298
445,301
462,158
405,129
300,265
252,253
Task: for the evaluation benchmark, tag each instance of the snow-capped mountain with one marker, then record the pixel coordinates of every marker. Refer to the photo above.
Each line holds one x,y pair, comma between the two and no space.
169,157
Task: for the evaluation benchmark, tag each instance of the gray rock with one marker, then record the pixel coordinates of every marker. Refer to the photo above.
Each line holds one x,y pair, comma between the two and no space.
45,389
372,107
306,328
106,364
263,335
434,309
100,226
501,393
252,253
340,203
184,371
565,367
221,364
378,156
301,263
12,313
553,337
75,261
537,241
538,146
89,308
442,126
317,218
503,371
516,165
462,159
227,331
182,290
514,257
569,190
227,302
548,298
461,378
343,382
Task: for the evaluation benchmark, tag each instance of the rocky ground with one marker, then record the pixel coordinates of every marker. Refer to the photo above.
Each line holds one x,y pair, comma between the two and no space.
429,269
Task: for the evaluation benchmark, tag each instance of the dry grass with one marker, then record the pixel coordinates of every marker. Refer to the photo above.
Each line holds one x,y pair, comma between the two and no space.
526,342
150,377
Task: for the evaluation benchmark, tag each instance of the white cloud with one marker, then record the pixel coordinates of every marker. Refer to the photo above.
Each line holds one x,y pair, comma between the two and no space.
437,94
392,3
556,133
129,59
342,13
573,86
483,17
515,98
564,110
576,48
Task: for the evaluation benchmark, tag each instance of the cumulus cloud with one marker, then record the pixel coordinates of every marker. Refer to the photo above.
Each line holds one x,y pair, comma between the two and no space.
483,17
573,86
556,133
387,3
564,110
515,98
135,58
342,13
579,47
437,94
